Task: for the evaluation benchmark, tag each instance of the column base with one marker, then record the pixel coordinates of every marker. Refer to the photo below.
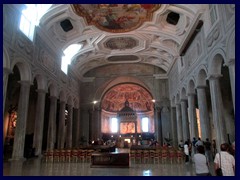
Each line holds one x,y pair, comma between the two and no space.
17,159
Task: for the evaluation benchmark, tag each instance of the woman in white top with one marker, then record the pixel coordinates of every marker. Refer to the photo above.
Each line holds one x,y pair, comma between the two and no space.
186,152
201,162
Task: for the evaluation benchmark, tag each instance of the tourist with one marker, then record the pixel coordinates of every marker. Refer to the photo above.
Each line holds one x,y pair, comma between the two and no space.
225,161
201,162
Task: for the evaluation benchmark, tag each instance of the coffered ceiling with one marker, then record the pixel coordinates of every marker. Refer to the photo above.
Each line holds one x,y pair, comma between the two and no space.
153,34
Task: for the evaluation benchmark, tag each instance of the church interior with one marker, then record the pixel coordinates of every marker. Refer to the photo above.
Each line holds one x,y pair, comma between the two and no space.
92,86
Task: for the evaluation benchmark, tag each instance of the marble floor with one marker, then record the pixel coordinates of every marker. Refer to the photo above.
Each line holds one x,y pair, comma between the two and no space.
35,167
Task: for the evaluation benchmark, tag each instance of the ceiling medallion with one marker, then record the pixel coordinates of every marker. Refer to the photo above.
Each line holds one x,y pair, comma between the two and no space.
121,43
116,18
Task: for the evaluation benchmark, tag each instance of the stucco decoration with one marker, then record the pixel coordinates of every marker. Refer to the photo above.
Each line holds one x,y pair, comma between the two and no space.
116,17
123,58
121,43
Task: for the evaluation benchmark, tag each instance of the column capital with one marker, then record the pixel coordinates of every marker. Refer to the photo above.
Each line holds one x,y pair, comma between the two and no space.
214,77
201,87
178,103
183,100
41,91
7,71
231,62
52,97
62,102
191,94
25,83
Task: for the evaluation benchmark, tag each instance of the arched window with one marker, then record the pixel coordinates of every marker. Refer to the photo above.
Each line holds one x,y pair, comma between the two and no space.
145,124
30,18
114,125
69,52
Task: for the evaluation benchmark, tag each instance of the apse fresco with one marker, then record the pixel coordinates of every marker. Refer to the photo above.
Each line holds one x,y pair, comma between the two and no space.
116,17
127,127
139,98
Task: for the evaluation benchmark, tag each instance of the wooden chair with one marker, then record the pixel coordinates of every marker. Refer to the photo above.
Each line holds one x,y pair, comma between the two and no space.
139,156
164,155
172,155
68,153
132,155
157,156
62,155
146,156
74,155
49,156
56,155
82,155
179,156
89,155
151,155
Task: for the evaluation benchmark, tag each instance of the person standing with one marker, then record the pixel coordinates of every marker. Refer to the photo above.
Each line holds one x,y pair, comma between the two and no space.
199,142
214,148
207,145
181,145
186,151
194,145
201,162
225,161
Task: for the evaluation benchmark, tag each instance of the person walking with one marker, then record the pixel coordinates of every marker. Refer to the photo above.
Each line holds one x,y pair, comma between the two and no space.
201,162
208,152
225,161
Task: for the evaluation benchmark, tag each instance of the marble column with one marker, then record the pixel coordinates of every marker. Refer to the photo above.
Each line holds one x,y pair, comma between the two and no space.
20,131
179,122
96,124
174,127
99,126
6,73
158,126
84,121
192,116
217,108
185,123
76,128
156,123
52,123
69,127
61,125
203,113
231,67
39,120
91,114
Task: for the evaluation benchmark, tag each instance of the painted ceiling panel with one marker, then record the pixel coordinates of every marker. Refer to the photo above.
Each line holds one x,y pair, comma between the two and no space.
154,33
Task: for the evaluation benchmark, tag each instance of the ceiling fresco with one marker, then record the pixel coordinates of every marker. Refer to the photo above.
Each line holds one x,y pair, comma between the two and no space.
120,34
121,43
116,17
139,98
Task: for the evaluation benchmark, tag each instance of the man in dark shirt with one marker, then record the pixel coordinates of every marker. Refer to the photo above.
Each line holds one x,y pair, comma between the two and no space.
207,145
193,145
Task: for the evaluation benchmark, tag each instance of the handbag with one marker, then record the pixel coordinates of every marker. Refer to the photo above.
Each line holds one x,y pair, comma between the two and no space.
219,170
